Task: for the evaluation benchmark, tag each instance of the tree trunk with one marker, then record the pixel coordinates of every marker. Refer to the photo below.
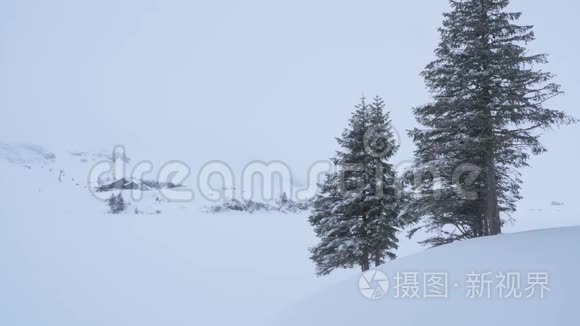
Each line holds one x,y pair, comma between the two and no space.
492,222
365,264
492,211
483,227
378,258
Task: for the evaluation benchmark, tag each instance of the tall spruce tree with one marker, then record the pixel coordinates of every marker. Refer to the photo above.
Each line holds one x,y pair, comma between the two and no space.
489,104
356,212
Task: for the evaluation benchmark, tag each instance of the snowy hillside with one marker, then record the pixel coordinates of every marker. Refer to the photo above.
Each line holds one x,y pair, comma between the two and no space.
468,266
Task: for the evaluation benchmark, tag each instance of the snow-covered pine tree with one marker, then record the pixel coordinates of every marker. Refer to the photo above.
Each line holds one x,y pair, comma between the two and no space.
116,203
356,212
489,103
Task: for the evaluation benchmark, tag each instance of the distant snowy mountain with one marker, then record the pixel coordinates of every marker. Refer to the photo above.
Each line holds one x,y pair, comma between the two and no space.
25,154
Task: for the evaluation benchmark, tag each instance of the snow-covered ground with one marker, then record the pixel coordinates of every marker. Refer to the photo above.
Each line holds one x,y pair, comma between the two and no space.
65,261
468,265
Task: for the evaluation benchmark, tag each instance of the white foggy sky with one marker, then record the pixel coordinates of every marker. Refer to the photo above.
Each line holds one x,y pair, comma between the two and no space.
252,79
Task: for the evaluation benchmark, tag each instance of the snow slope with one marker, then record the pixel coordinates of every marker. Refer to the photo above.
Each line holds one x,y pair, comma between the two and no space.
551,251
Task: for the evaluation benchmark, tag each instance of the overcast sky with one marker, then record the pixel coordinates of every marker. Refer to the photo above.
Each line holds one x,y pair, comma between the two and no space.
246,79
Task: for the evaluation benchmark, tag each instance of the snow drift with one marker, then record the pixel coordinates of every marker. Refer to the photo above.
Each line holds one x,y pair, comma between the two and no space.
552,252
